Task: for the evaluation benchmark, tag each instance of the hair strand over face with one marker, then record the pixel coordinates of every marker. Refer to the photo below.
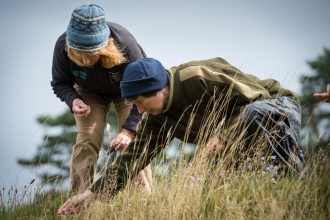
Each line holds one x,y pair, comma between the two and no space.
110,55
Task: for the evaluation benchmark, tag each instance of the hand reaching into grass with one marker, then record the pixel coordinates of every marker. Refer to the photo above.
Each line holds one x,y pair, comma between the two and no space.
214,146
122,140
76,204
325,97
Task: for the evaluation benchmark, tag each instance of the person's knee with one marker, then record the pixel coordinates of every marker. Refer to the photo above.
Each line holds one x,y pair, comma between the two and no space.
88,142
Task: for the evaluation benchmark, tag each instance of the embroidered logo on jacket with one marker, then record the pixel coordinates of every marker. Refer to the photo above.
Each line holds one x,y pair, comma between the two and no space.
79,74
115,77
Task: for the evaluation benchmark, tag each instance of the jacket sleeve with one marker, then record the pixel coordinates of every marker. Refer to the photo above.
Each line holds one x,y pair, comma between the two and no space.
62,78
134,51
144,55
150,140
133,119
127,42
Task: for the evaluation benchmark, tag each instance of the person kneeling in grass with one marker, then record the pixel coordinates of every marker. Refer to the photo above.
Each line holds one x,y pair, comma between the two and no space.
207,99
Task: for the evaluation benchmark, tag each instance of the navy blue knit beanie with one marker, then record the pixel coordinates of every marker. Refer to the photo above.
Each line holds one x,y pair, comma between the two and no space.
88,30
143,76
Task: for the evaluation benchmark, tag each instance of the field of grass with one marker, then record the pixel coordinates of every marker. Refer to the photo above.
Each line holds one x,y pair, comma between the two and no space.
197,189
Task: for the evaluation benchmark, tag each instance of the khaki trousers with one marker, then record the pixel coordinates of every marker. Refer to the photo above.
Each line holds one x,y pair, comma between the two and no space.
89,140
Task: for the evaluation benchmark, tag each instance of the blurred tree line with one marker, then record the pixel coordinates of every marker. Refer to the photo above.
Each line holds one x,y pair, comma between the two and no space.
53,156
315,133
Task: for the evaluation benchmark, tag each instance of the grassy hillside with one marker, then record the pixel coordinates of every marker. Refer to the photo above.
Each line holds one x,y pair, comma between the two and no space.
198,189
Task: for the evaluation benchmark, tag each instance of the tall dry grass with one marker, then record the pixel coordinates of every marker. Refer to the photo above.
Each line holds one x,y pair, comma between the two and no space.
200,189
239,184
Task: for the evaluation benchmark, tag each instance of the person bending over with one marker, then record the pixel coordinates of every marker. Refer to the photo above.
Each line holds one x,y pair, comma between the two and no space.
88,64
189,96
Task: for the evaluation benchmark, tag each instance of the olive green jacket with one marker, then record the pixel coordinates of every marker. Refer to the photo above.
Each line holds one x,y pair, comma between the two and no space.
206,99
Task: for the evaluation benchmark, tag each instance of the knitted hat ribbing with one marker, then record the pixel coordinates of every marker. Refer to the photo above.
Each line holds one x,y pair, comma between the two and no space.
87,30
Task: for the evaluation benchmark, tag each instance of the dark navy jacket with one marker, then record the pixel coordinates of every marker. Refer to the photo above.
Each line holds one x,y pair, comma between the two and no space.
99,80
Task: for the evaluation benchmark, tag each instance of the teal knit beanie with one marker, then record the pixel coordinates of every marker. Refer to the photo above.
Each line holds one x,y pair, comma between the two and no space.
88,30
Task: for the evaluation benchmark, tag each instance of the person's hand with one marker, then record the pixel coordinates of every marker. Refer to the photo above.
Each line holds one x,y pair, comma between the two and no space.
76,204
214,146
122,140
79,108
325,97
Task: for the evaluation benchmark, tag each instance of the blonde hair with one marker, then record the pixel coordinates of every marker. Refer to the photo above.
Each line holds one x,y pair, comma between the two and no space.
110,55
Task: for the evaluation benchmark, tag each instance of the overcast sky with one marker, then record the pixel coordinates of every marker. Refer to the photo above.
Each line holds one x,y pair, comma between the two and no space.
267,38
